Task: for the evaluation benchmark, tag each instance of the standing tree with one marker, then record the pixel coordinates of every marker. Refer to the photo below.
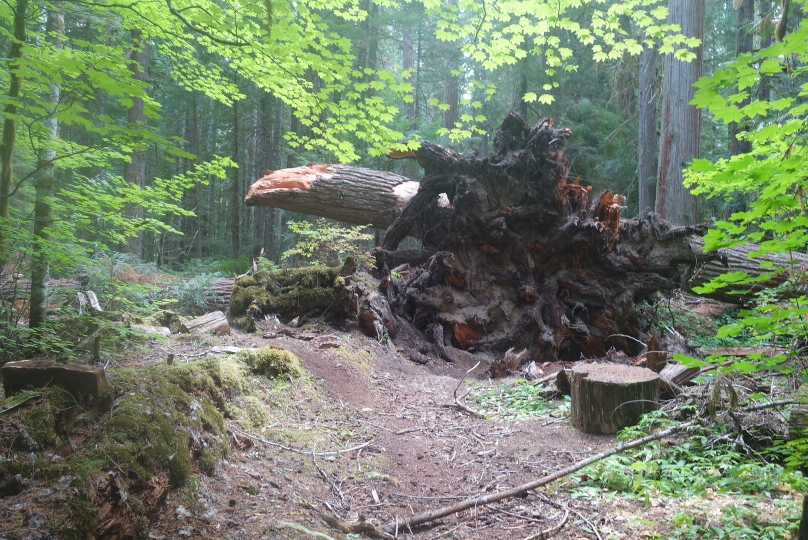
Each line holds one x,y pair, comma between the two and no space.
45,181
680,130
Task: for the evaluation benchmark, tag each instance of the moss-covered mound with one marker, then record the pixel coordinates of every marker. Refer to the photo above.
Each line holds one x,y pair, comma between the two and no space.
272,362
107,462
288,292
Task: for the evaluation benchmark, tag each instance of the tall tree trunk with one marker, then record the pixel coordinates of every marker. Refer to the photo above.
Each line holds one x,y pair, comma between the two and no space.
743,44
647,136
10,111
43,210
235,187
681,122
134,172
451,96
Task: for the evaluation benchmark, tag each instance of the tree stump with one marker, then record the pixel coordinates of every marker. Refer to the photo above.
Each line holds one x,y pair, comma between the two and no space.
609,397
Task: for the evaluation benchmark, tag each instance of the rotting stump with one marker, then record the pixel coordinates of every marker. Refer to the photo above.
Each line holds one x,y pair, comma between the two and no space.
605,398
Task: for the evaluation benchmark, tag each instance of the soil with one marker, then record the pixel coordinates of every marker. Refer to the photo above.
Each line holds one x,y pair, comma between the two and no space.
373,435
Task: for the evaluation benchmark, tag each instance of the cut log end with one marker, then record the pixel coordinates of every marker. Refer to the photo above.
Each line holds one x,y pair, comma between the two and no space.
608,397
77,380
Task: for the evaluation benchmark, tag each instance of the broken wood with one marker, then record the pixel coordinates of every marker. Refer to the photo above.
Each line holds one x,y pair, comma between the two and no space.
212,323
767,352
75,379
674,377
605,398
341,192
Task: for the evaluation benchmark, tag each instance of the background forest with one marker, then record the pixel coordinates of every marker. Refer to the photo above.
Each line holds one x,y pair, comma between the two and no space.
132,130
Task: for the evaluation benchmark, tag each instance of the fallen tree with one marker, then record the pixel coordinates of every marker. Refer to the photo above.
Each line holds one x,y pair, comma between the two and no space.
515,252
361,196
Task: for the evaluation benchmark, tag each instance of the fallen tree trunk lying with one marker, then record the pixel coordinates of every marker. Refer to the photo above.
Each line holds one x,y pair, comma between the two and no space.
341,192
360,196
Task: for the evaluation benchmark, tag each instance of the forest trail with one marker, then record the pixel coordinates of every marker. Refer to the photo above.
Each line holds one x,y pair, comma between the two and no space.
416,453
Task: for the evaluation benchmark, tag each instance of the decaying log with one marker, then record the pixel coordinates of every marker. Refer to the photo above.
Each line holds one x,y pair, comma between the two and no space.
340,192
75,379
737,259
217,295
213,323
606,398
674,377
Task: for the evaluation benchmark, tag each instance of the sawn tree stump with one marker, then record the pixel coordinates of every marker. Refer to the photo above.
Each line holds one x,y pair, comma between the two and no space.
609,397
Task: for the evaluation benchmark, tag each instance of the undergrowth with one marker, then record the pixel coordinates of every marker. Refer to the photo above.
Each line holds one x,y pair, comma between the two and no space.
518,400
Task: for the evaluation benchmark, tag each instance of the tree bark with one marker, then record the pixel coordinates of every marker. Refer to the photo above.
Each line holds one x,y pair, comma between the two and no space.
647,135
15,56
606,398
681,122
134,171
46,178
341,192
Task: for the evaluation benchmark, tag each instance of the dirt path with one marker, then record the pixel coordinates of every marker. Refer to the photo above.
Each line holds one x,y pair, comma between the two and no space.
420,454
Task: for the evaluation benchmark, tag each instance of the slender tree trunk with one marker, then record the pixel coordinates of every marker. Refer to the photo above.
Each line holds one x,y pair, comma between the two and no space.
524,70
681,122
10,111
408,63
451,96
43,210
235,190
647,136
743,44
766,34
134,172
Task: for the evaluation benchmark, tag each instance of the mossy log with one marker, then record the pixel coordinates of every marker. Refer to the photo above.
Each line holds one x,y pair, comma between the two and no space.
605,398
321,290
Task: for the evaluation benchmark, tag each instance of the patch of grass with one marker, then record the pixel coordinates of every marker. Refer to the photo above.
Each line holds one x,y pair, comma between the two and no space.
518,400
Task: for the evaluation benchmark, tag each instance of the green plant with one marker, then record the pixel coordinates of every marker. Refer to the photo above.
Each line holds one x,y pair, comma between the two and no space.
324,242
518,400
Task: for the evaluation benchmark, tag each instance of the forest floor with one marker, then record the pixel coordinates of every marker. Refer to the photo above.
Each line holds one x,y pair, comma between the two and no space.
369,433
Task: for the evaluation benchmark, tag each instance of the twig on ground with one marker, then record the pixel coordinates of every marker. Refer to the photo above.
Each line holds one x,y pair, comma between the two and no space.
302,452
301,528
458,403
560,506
542,535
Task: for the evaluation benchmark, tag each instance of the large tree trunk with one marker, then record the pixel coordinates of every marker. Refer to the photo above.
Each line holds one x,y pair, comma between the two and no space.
341,192
681,122
647,134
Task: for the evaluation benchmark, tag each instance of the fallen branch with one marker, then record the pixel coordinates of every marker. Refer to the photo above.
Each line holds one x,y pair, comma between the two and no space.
302,452
458,403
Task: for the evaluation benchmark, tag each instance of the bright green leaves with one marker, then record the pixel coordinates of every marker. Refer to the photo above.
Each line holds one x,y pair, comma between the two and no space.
773,180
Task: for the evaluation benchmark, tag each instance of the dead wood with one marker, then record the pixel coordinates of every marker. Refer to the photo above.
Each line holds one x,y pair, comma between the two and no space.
212,323
340,192
459,400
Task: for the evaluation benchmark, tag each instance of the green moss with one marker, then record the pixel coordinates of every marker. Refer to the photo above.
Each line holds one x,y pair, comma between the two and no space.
287,292
246,323
254,413
242,297
271,362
